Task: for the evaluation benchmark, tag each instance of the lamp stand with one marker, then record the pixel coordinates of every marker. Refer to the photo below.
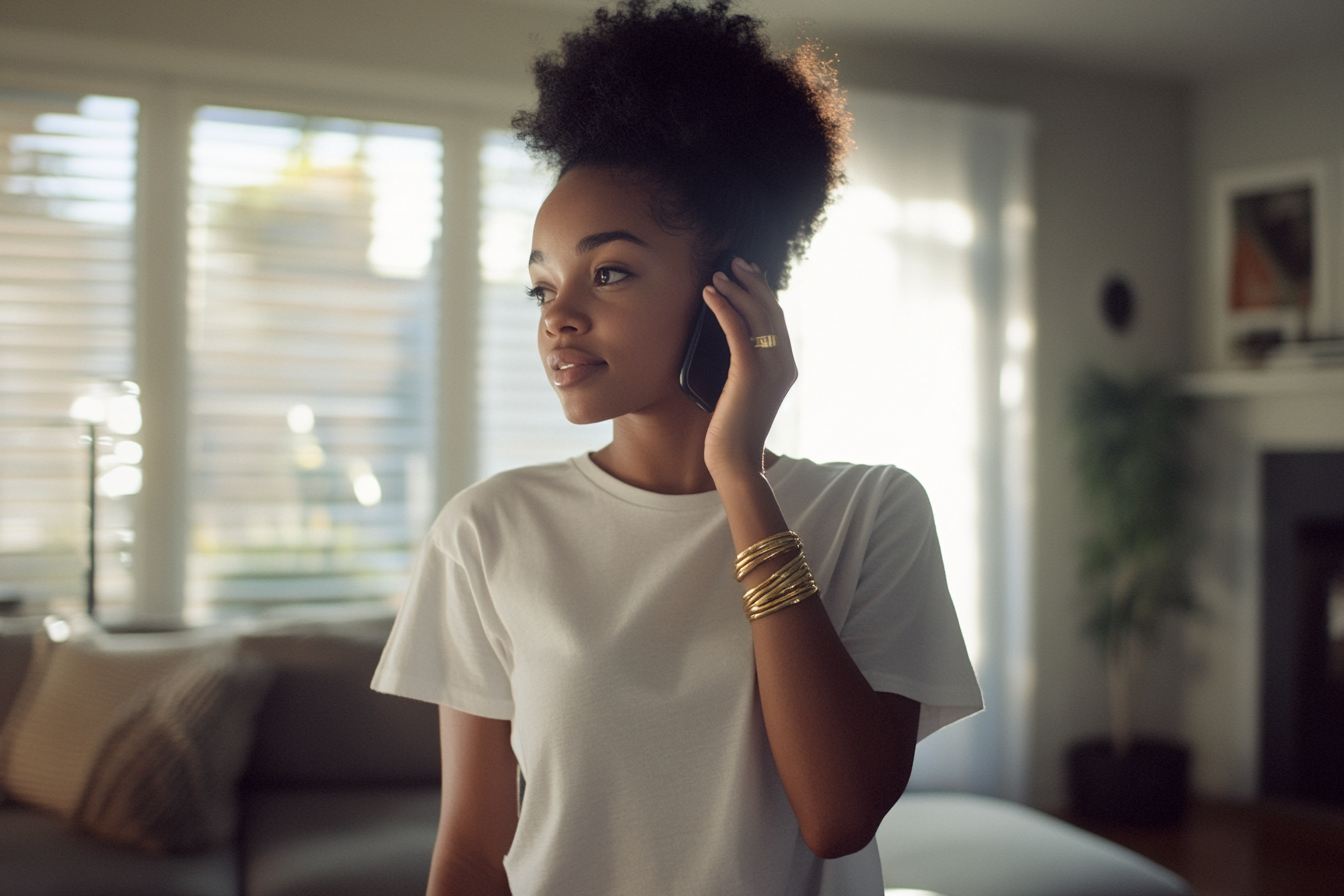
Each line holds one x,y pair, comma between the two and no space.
93,516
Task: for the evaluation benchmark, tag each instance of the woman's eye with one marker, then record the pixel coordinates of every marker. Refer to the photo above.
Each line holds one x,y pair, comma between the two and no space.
608,276
537,294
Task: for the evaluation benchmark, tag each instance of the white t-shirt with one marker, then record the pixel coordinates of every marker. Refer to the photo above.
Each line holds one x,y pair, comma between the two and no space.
603,621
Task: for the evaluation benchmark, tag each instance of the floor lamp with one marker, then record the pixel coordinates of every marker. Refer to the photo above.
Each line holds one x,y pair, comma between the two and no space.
118,407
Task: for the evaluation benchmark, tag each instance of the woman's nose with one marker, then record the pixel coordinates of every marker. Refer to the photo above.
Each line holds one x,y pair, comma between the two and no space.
565,314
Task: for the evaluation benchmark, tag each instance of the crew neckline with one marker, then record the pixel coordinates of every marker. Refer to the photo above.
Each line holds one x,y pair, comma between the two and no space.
608,483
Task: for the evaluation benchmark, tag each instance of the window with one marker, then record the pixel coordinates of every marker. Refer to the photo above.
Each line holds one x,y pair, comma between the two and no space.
67,213
312,296
519,416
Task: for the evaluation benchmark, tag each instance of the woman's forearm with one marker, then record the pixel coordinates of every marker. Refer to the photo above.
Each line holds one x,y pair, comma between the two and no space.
842,749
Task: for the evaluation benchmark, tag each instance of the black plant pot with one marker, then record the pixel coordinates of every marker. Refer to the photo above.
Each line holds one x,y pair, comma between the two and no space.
1149,785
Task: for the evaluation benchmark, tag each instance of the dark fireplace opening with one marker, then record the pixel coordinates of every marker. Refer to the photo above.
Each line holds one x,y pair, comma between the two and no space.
1302,648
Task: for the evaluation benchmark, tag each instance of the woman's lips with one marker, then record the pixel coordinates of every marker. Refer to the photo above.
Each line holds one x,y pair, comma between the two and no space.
574,374
569,367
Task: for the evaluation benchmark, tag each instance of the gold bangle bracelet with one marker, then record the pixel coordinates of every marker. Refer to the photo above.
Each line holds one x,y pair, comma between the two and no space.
767,543
775,582
789,585
795,586
757,553
786,599
761,614
744,569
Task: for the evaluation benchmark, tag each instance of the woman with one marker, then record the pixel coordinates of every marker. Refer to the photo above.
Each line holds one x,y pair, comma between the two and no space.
579,623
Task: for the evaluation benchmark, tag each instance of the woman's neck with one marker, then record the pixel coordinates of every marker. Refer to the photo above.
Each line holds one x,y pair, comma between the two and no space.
661,453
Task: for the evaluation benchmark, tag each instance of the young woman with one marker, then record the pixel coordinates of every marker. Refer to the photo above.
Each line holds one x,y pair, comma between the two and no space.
620,714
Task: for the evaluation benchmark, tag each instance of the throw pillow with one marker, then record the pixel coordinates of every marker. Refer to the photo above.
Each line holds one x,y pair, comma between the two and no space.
75,694
164,780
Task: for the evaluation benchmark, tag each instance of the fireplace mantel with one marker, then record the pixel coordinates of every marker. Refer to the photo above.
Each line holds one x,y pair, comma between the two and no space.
1322,381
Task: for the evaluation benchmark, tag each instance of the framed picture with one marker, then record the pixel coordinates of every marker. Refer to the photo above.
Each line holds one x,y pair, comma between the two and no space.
1272,259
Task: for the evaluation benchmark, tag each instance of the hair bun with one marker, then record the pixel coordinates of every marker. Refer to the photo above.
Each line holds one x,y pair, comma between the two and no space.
743,146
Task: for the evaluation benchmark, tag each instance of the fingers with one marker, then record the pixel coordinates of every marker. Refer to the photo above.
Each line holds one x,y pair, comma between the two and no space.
753,299
734,326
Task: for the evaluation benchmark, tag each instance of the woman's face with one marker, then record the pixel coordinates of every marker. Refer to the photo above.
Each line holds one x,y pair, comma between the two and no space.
618,295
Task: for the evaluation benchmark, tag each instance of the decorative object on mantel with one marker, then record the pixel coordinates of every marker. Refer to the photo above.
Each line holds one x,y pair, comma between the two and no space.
1271,262
1117,303
1130,451
114,473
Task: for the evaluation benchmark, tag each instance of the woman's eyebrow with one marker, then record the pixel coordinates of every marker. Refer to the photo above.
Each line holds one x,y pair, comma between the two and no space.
589,243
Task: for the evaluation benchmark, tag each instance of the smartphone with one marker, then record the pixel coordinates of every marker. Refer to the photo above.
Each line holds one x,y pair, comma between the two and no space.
704,369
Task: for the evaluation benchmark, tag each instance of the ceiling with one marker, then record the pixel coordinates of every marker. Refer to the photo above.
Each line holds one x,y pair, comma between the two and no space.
1187,39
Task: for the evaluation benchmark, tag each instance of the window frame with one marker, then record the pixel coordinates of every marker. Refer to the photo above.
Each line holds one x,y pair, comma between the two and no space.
170,84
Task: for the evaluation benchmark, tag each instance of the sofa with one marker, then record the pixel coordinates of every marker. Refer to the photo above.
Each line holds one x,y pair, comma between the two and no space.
336,792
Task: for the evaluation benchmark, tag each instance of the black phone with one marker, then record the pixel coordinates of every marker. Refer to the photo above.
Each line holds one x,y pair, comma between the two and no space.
704,369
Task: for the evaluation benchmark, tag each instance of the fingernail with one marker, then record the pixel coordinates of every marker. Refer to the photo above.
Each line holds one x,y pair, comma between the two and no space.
741,263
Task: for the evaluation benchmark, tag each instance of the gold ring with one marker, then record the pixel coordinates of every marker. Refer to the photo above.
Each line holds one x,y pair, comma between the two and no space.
763,342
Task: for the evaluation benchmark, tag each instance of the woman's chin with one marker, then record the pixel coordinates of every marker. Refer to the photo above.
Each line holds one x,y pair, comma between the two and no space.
582,415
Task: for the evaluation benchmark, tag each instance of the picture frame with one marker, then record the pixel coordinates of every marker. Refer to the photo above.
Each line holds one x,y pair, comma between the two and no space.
1272,258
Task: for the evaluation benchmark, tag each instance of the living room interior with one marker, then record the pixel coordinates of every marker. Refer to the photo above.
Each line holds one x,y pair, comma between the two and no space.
1136,122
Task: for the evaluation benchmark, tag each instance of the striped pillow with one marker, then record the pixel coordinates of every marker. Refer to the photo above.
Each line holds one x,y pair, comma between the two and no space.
165,778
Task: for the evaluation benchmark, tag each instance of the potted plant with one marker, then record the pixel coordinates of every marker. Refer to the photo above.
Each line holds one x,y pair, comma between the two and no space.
1131,455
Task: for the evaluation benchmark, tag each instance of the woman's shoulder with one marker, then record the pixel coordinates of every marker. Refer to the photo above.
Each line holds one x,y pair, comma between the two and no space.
839,478
505,493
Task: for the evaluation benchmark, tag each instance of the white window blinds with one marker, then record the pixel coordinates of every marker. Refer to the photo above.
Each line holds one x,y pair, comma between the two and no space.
312,306
519,417
67,210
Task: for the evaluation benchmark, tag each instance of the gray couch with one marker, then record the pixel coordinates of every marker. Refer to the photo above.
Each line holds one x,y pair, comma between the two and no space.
340,796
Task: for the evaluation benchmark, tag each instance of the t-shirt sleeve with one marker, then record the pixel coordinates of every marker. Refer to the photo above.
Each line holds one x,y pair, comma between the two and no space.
902,628
441,649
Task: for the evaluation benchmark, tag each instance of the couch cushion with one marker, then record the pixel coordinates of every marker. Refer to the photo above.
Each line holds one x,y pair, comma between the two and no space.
977,846
321,723
339,841
40,856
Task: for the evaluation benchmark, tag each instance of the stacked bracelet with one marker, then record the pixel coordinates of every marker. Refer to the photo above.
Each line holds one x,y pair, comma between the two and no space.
790,584
763,550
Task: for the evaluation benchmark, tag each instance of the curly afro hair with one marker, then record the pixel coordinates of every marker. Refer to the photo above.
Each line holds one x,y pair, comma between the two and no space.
741,148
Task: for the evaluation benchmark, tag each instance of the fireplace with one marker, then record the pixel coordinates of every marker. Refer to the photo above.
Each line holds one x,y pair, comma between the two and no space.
1302,625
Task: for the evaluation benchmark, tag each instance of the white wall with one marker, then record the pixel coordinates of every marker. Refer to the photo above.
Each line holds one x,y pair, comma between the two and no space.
1110,175
447,37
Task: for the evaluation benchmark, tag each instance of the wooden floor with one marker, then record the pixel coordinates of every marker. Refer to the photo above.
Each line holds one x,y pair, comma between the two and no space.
1238,849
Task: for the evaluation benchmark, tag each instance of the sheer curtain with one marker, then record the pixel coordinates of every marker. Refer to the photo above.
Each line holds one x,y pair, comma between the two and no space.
911,318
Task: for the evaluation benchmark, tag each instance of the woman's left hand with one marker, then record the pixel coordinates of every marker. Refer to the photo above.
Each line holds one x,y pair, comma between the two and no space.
758,378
